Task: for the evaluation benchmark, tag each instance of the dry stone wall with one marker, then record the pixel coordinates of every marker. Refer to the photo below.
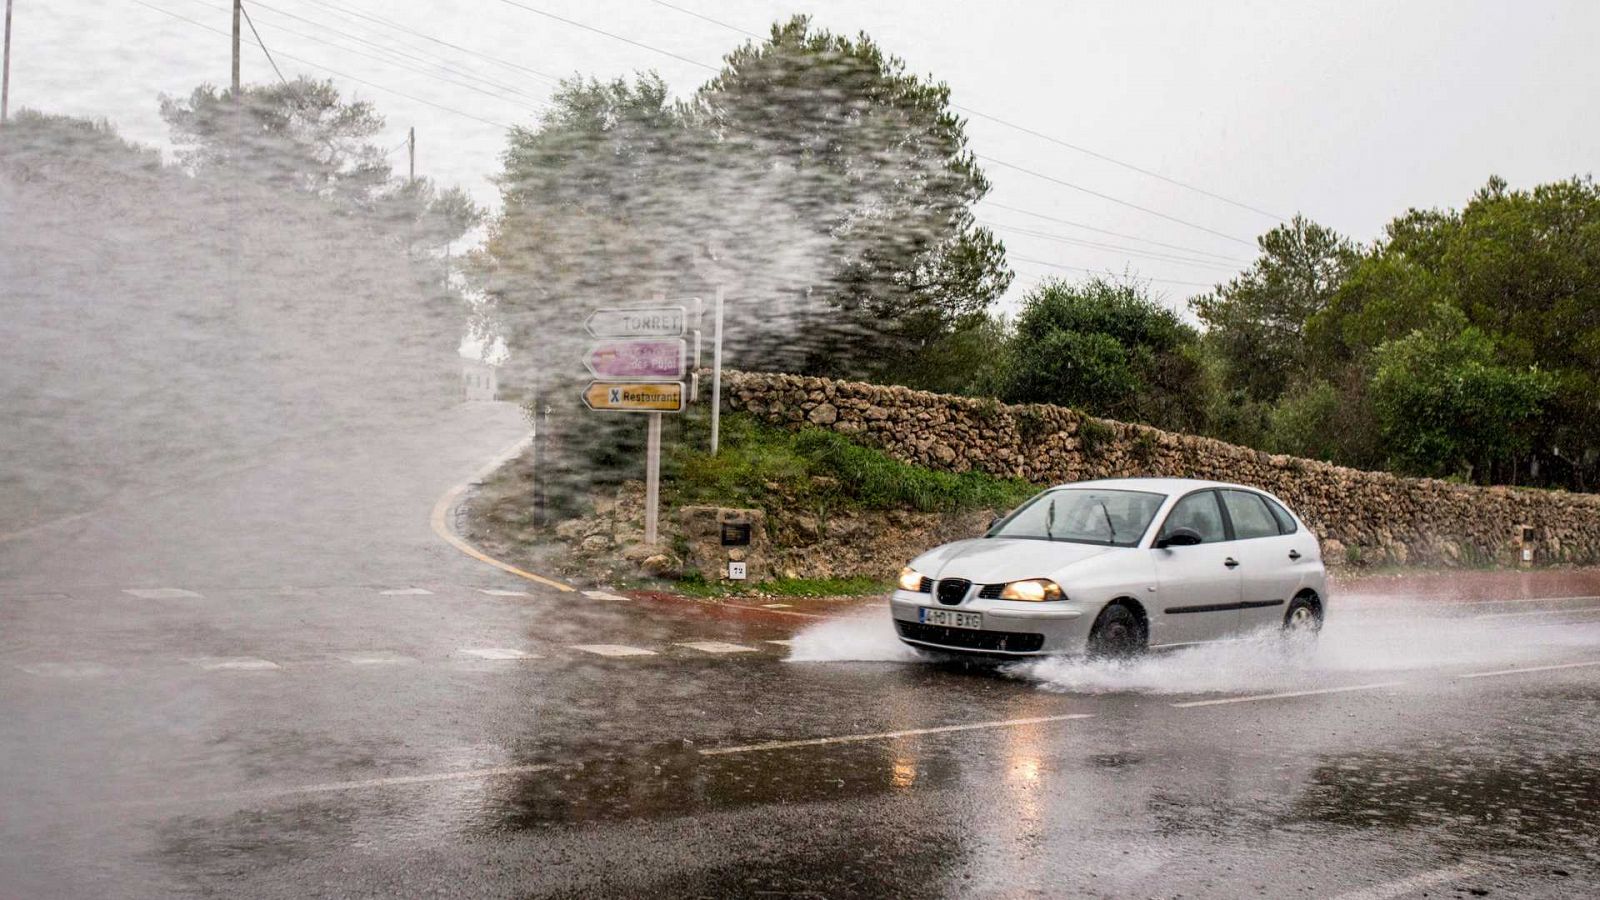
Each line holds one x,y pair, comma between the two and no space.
1360,516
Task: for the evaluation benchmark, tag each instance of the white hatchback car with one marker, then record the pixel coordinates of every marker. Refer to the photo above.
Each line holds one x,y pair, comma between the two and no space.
1115,566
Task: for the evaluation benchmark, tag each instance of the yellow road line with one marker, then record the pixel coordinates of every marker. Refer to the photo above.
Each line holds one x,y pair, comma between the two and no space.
443,527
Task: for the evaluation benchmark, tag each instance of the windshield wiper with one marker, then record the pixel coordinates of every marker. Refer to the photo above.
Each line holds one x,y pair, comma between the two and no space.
1109,527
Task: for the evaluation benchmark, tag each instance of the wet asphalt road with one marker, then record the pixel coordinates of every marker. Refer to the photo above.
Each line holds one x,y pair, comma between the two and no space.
313,696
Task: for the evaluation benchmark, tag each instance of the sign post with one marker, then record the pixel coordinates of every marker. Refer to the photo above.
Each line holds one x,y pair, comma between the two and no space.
716,374
640,364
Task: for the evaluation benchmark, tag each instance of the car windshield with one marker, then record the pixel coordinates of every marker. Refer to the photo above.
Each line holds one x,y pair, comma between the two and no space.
1083,515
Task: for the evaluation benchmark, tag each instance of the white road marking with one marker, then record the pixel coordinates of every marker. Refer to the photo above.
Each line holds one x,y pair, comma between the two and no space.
161,593
1576,665
240,663
376,658
782,643
498,653
1286,694
1588,610
66,669
407,592
882,735
1400,887
496,592
776,605
606,595
613,650
399,780
717,647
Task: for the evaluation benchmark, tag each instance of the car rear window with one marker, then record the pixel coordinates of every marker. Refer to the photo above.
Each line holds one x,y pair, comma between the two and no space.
1251,518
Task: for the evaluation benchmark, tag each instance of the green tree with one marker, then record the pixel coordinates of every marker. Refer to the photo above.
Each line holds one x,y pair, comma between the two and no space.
1107,348
1448,408
301,135
876,168
1257,321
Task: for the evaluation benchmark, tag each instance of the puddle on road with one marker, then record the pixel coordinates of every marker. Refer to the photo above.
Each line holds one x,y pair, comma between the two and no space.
1384,641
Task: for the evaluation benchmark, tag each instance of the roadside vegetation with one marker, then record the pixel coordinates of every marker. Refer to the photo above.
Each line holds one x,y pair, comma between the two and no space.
764,467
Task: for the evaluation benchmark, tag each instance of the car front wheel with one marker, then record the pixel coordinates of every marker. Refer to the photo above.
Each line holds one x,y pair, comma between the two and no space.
1118,632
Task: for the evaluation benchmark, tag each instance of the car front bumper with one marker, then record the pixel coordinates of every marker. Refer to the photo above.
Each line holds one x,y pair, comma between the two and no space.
1011,628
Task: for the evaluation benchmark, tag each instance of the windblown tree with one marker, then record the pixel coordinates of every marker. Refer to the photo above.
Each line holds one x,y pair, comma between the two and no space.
303,136
876,166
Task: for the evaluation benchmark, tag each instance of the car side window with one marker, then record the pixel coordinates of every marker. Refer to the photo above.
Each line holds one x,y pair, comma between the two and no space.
1285,521
1251,518
1200,512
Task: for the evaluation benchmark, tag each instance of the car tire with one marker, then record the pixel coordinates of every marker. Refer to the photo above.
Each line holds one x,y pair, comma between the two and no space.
1118,633
1303,618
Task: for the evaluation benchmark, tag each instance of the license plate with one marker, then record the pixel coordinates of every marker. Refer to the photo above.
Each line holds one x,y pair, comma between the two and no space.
949,618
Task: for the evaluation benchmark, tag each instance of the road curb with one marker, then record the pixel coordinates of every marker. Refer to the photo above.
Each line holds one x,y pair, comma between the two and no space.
445,513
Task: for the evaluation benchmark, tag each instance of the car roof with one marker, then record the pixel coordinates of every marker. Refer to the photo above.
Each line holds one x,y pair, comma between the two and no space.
1156,485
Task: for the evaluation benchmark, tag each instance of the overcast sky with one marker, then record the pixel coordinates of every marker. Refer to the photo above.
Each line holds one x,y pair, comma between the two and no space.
1347,111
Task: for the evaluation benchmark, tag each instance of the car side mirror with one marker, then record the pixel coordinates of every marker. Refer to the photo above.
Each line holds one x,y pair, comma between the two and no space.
1179,537
992,523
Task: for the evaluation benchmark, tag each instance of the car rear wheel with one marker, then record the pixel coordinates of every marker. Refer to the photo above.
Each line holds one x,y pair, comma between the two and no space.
1118,632
1304,617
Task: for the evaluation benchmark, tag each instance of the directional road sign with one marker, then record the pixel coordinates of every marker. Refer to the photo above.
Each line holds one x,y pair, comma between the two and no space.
646,321
649,396
637,359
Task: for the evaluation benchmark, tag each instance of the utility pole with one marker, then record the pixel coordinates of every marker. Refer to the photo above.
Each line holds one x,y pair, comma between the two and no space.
238,7
5,78
411,147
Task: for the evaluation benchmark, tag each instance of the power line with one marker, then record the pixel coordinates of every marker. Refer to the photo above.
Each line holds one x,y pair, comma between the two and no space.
1117,162
428,37
303,61
1131,237
1166,257
1022,128
1094,193
1053,265
263,44
576,24
719,22
391,62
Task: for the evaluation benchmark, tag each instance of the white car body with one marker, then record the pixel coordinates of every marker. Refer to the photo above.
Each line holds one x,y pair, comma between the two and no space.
1214,590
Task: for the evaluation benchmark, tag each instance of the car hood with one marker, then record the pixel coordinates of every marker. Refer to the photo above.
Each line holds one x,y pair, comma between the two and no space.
995,560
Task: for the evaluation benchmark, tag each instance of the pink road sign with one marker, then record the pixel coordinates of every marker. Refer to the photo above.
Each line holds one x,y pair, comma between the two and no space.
636,359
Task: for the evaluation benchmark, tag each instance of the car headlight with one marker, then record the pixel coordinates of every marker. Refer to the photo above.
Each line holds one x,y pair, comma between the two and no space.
1034,590
912,580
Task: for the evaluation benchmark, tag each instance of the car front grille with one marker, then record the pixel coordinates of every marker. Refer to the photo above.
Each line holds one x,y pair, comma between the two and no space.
953,590
925,586
968,639
991,592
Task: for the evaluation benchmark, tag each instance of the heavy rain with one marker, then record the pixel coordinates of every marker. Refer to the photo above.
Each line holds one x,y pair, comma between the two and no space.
711,449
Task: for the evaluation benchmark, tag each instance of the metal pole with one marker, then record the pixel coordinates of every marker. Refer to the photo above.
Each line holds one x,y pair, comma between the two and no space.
238,5
411,144
5,79
716,375
652,477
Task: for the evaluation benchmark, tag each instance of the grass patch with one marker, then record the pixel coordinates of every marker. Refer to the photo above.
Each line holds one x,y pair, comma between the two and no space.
820,470
695,585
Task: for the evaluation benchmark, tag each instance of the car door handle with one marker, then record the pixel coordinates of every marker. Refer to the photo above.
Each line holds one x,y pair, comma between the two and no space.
1231,563
1294,554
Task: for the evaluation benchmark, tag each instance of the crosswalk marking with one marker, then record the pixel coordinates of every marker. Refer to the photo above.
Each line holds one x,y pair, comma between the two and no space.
613,650
376,658
241,663
497,592
717,647
498,653
407,592
160,593
782,643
